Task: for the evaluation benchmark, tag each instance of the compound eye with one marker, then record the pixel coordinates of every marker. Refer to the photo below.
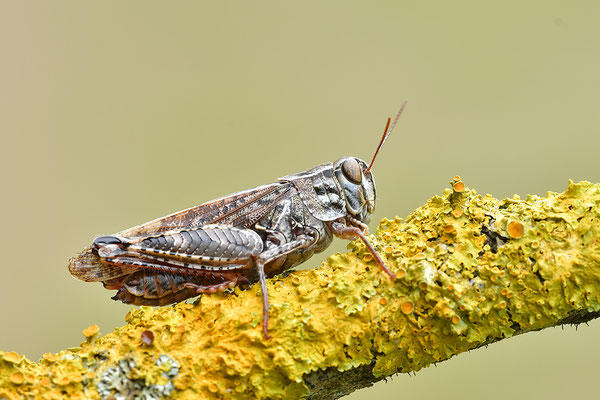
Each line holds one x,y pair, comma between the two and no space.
351,170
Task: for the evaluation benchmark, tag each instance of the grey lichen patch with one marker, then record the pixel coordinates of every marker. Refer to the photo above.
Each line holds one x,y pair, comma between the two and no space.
119,382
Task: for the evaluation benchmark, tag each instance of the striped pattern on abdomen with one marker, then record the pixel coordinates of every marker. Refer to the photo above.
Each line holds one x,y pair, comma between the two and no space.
208,245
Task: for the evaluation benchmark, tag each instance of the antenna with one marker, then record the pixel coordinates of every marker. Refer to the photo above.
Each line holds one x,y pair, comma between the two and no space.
386,133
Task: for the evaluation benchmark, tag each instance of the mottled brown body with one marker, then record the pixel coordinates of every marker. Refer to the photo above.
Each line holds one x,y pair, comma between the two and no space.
150,274
235,240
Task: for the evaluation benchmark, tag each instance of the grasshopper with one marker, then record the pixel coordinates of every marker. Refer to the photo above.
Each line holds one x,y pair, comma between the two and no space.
238,239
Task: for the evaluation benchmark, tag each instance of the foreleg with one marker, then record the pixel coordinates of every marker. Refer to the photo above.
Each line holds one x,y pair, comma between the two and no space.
351,233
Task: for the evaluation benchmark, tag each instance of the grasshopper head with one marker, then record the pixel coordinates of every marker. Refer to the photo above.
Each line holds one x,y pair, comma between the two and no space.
359,187
357,180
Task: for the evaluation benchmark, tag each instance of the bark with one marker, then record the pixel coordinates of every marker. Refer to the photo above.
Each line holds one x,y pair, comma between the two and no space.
470,270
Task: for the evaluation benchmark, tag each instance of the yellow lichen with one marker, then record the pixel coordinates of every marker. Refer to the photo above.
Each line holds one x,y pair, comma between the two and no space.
12,357
17,378
462,280
50,357
515,229
407,307
458,187
90,331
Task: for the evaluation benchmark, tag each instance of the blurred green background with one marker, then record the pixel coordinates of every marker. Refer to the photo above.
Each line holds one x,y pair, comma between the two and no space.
115,113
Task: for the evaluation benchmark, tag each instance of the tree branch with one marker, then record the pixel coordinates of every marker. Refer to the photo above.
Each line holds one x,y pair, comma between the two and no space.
471,270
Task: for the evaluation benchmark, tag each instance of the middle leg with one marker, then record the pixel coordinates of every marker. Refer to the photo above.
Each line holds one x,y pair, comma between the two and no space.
302,242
